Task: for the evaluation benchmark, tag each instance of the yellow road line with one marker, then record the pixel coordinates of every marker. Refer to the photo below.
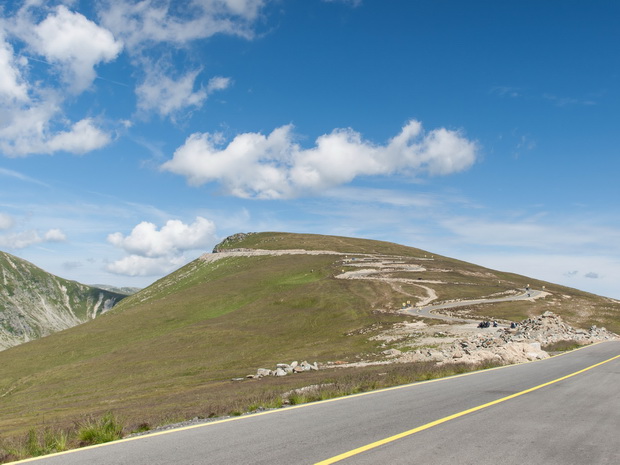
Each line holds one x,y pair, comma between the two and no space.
275,411
373,445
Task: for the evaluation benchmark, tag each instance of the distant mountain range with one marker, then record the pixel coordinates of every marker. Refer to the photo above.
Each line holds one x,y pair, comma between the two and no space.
34,303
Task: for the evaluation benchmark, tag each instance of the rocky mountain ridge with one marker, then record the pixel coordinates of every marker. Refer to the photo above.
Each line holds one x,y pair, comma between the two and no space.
34,303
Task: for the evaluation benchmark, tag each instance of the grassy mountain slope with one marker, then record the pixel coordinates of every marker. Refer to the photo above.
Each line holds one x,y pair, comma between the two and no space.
170,350
34,303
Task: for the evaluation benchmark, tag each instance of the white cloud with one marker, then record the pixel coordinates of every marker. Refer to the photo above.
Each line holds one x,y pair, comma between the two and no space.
149,21
83,137
152,251
12,85
54,235
218,83
23,239
167,95
136,265
6,221
30,129
275,166
32,120
74,43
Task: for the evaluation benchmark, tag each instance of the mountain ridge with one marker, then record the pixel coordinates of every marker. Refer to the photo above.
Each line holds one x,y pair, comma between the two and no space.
35,303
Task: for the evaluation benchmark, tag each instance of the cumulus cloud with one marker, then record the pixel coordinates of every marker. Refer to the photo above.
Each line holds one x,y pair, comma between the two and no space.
154,251
23,239
146,25
275,166
71,46
54,235
31,130
74,42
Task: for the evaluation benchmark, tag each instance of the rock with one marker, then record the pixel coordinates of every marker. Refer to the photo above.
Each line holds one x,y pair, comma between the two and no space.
263,372
392,352
280,372
294,364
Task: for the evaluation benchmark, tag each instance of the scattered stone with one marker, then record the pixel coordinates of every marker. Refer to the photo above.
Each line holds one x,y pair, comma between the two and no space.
263,372
392,352
283,369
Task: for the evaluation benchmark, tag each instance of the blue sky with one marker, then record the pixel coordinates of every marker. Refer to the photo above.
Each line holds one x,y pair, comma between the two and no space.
136,135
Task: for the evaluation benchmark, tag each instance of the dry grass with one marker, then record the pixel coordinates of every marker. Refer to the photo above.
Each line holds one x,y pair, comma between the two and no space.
243,397
172,349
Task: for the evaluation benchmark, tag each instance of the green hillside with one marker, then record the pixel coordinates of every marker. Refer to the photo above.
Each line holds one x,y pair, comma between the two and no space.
34,303
171,350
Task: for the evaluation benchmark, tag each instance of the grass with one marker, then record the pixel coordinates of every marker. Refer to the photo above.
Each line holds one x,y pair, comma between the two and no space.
331,384
561,346
45,441
170,351
185,346
34,444
100,430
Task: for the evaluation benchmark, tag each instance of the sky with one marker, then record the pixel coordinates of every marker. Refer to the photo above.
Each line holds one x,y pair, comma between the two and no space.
135,135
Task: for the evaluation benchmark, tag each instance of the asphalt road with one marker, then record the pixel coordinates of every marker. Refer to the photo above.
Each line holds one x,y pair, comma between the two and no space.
575,420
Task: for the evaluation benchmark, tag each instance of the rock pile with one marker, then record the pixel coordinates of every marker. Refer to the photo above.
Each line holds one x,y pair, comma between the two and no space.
283,369
480,349
549,328
522,344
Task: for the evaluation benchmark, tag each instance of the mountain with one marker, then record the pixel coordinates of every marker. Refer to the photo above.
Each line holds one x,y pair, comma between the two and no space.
170,351
117,290
34,303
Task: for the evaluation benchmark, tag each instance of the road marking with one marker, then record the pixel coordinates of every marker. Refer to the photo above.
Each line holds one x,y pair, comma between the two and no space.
294,407
381,442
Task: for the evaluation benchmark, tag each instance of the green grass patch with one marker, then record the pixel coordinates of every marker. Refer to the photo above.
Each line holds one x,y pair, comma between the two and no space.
561,346
100,430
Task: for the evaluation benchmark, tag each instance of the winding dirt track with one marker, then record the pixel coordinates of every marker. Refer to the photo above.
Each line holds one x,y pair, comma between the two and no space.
378,268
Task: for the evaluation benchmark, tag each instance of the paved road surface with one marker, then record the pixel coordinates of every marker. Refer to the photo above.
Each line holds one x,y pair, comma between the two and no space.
571,421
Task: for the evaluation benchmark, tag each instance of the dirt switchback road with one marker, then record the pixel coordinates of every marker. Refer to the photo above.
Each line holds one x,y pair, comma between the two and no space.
562,410
429,311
